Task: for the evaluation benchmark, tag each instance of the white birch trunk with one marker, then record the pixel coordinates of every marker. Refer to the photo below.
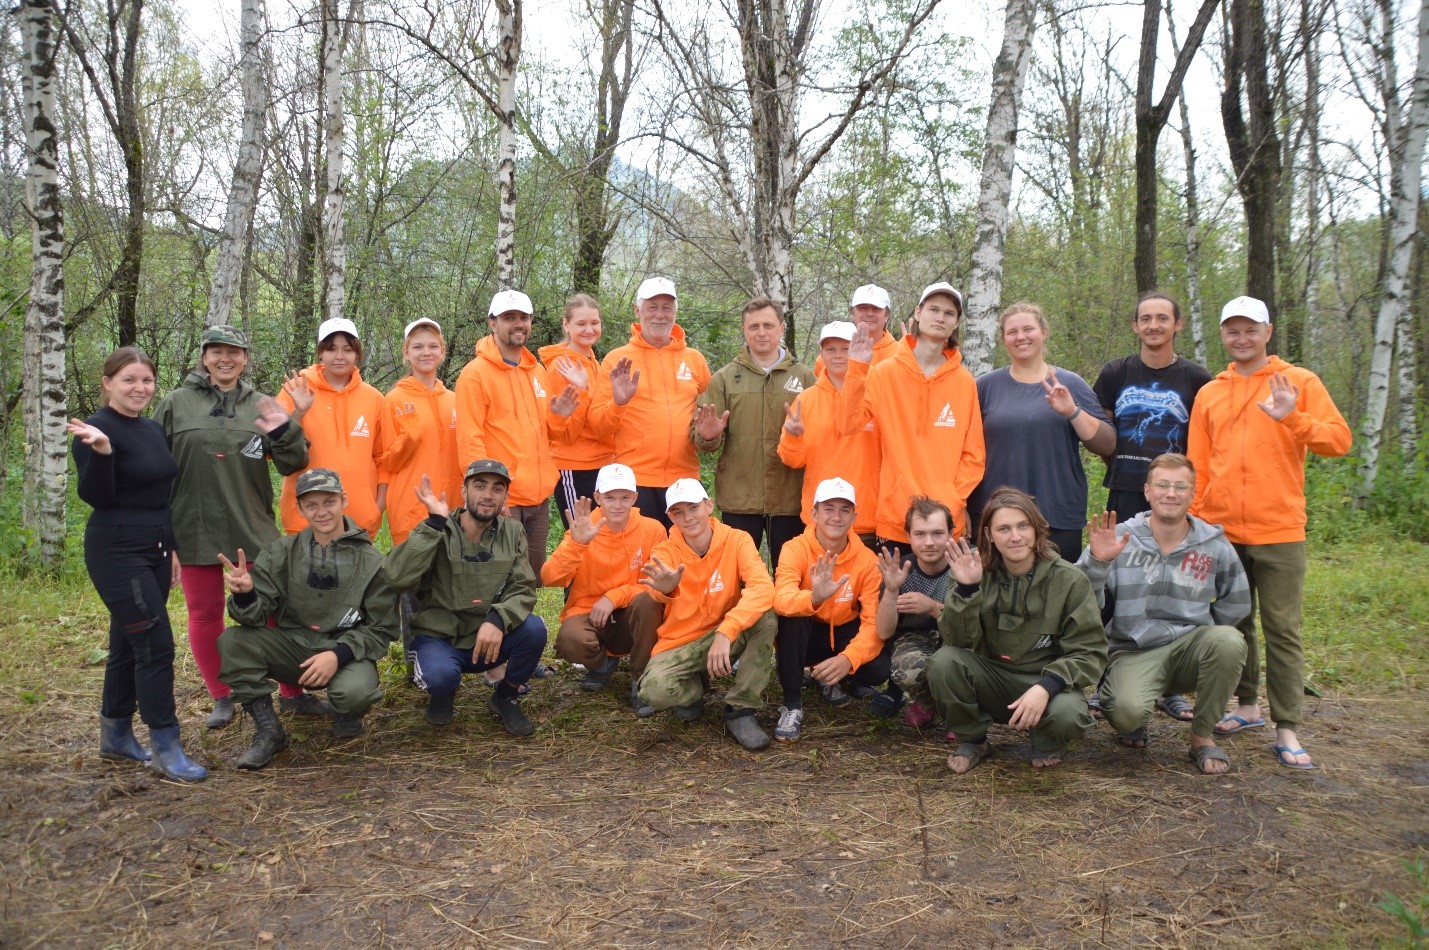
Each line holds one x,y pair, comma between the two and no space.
508,57
247,170
1406,143
999,154
1314,325
45,409
1406,381
1195,305
334,243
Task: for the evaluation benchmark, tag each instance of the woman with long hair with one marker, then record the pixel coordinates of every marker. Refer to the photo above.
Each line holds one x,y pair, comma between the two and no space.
580,452
125,473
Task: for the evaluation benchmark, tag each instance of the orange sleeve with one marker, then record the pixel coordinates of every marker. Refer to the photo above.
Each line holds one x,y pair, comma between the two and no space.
669,555
855,405
651,536
790,597
866,644
1316,421
756,598
973,461
604,416
1198,446
470,419
383,434
560,568
405,435
558,428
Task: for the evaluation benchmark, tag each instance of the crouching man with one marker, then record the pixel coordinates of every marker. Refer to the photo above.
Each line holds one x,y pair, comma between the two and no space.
1177,590
718,598
332,613
475,592
607,613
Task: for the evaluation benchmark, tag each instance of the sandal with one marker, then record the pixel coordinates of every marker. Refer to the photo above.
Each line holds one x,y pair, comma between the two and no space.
1176,706
1241,725
974,752
1094,706
1135,739
1201,754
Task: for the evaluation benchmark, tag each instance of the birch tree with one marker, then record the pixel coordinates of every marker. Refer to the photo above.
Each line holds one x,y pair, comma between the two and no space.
334,247
1253,140
1195,305
1405,135
984,297
45,410
247,168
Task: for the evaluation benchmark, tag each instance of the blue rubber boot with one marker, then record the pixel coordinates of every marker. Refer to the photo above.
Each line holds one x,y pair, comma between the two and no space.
170,759
117,742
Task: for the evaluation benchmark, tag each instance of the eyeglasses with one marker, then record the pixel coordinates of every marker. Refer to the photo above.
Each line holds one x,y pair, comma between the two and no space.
1163,485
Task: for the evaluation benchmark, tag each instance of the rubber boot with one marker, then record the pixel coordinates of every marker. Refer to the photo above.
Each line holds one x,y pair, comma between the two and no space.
170,759
222,713
268,737
117,742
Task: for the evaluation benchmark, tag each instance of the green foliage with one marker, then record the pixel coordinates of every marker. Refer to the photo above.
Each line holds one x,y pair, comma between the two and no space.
1398,506
1414,913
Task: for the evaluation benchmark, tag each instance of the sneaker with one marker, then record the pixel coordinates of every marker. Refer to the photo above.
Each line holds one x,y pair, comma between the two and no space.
304,705
598,677
790,722
692,712
346,726
861,692
834,695
440,709
513,719
745,730
642,710
885,705
917,715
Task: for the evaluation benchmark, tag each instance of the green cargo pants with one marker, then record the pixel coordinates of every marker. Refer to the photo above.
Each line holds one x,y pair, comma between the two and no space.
1277,585
1207,661
972,692
255,656
672,678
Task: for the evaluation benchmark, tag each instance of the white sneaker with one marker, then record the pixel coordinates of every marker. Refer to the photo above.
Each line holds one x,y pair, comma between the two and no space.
834,695
790,722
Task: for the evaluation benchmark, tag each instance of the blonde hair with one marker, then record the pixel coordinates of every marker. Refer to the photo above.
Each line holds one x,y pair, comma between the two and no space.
1022,306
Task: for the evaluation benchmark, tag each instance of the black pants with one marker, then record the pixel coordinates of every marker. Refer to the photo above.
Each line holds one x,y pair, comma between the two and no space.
1126,504
804,641
779,528
131,568
1069,543
897,548
651,502
575,483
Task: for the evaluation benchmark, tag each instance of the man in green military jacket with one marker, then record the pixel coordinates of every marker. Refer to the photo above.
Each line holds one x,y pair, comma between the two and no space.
475,593
332,614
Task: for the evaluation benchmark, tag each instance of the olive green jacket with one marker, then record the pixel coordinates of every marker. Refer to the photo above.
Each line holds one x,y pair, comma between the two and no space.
751,478
461,584
1046,622
361,611
223,497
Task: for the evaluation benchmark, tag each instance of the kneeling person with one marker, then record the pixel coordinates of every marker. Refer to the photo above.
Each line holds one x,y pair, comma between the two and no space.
607,613
1177,590
718,598
332,613
1022,637
826,595
475,592
911,605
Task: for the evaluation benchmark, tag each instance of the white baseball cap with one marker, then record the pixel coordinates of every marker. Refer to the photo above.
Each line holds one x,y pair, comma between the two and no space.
838,330
423,322
655,287
685,490
1246,307
831,488
870,293
942,287
337,325
509,300
614,477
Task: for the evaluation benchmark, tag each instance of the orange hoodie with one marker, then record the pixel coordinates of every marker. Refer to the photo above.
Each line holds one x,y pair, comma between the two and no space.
727,590
609,566
502,413
423,442
652,431
346,432
793,592
824,452
882,350
929,432
1250,469
579,448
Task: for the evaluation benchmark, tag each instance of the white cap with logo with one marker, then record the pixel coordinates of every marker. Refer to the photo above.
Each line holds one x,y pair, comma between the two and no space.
655,287
870,294
337,325
509,300
614,477
831,488
1248,307
422,322
685,490
838,330
942,287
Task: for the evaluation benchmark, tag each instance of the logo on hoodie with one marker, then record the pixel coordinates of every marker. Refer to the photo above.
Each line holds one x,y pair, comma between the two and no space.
683,372
946,419
716,583
638,560
350,619
536,385
254,449
845,594
793,385
360,429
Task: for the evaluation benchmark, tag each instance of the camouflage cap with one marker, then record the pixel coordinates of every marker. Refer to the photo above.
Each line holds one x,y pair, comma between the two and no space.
226,335
487,467
318,479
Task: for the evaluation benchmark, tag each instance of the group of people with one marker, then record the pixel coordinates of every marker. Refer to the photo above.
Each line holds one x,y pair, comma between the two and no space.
924,529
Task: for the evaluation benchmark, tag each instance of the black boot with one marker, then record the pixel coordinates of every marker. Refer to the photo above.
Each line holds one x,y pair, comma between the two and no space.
440,709
268,738
346,726
504,703
222,713
116,741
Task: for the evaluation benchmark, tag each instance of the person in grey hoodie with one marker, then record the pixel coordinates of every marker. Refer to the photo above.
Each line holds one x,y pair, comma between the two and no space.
1174,589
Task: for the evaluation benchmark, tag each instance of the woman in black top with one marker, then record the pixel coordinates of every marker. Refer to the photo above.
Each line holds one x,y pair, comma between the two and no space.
125,472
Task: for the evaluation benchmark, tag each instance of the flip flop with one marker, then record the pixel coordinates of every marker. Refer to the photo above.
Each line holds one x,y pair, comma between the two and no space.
1176,706
1240,725
1281,751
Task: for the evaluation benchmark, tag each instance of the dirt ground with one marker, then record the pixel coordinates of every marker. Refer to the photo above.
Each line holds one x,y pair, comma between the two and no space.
606,831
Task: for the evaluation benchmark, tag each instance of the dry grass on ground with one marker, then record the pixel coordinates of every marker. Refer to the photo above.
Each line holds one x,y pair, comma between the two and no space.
606,831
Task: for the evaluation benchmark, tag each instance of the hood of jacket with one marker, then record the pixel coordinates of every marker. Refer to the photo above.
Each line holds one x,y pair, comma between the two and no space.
487,349
412,388
1139,528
